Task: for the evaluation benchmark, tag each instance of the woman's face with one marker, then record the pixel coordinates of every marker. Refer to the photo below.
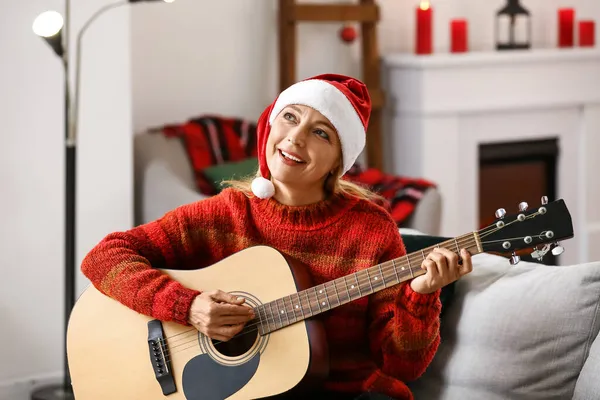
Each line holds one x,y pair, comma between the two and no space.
302,149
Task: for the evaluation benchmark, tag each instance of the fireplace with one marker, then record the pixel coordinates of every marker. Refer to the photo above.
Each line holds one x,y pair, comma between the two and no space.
499,120
513,172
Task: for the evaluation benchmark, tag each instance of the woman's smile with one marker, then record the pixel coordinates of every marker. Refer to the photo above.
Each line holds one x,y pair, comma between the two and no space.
291,159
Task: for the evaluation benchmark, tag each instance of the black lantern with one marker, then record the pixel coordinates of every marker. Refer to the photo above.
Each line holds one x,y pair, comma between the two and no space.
513,27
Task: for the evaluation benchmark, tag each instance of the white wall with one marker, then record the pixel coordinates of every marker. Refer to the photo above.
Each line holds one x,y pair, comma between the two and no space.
188,58
32,176
206,56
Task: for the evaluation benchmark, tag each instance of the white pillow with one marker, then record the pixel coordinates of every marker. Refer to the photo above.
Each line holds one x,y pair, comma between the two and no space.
519,333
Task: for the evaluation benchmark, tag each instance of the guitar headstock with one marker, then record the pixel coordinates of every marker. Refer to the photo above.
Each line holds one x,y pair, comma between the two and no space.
529,228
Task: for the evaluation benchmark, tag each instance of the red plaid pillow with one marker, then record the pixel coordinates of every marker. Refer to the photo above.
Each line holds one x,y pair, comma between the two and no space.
213,140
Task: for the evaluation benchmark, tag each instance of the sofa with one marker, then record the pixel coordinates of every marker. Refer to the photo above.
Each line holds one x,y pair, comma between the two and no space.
523,332
164,180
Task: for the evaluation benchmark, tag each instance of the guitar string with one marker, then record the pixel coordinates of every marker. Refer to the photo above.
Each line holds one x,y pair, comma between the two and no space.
244,331
361,280
494,228
272,320
491,229
250,328
169,351
482,233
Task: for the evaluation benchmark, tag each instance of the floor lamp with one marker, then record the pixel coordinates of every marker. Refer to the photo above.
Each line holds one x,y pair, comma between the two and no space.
54,29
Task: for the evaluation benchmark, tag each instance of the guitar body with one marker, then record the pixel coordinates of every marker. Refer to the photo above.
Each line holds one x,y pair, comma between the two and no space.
112,353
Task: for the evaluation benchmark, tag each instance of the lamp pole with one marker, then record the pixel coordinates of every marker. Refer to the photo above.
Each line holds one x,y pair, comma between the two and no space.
52,28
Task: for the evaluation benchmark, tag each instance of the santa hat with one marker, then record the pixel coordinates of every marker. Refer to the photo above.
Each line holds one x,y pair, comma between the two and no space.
343,100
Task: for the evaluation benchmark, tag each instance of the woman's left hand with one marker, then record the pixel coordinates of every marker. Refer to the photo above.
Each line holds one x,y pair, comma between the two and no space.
443,267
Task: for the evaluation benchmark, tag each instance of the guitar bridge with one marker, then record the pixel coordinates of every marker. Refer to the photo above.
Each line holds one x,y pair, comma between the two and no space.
160,357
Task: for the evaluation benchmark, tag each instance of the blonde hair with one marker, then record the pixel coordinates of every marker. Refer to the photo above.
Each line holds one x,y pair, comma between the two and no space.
333,185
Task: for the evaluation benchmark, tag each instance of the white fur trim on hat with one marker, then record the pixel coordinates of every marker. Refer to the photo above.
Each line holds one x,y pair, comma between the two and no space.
262,188
335,106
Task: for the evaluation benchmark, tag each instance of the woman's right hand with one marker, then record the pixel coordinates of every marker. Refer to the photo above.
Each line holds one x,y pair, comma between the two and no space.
219,315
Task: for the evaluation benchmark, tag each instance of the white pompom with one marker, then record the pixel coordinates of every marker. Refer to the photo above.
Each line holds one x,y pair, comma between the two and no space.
263,188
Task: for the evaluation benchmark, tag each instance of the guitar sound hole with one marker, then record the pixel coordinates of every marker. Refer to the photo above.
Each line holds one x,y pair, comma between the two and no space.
238,345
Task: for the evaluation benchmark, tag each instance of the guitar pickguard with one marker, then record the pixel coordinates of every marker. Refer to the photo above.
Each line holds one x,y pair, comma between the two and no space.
205,379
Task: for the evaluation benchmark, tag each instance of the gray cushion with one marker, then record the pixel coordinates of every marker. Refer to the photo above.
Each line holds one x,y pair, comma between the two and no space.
520,332
588,384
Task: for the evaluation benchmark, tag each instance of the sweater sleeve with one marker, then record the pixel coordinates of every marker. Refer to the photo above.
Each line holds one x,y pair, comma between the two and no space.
404,325
124,265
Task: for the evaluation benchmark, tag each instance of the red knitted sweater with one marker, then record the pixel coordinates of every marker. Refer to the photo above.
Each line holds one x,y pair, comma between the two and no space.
376,343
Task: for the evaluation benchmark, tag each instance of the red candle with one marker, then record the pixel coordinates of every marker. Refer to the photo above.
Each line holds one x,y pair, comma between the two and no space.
566,27
458,35
586,33
424,28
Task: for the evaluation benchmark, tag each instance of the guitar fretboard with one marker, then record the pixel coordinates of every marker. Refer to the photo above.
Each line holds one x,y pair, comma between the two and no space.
296,307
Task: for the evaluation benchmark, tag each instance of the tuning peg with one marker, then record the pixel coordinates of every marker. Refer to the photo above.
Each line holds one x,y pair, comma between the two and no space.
544,200
523,206
557,250
514,259
500,213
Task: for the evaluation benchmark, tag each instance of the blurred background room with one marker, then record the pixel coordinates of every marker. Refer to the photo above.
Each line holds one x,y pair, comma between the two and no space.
471,114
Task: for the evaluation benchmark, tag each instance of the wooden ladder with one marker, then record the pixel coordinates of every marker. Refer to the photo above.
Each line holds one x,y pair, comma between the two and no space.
367,13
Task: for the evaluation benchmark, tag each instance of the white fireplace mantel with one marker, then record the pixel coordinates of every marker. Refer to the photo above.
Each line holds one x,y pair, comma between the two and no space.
441,107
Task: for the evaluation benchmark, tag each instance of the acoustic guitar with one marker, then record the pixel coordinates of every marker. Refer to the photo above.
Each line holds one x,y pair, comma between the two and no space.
115,353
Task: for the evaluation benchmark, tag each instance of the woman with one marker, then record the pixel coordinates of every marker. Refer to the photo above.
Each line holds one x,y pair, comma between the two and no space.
307,139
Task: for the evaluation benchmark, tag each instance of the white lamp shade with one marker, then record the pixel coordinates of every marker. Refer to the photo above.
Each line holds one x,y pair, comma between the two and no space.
48,24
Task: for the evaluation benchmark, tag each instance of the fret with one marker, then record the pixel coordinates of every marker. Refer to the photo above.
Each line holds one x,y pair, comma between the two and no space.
291,309
395,270
300,306
317,297
287,312
327,295
369,280
267,319
347,291
456,244
269,323
412,275
423,254
378,281
272,317
357,284
274,320
260,319
282,311
328,300
381,272
324,303
336,293
308,303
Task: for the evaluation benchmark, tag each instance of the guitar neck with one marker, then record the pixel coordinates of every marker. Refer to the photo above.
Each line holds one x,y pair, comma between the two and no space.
296,307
